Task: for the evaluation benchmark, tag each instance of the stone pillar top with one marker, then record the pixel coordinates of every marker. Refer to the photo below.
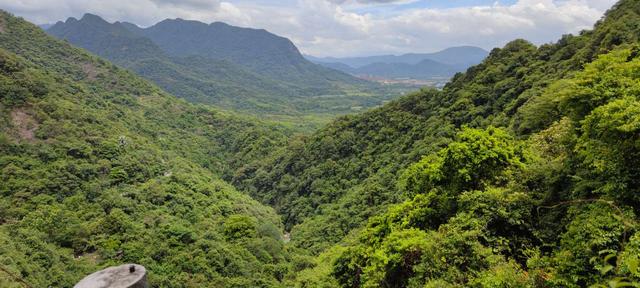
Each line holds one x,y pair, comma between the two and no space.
123,276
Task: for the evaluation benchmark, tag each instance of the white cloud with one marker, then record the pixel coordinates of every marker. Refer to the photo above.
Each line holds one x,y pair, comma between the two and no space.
338,28
370,1
197,4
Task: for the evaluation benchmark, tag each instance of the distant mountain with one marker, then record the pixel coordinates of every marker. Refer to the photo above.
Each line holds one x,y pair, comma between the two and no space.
256,49
122,44
425,69
237,68
463,55
112,41
444,63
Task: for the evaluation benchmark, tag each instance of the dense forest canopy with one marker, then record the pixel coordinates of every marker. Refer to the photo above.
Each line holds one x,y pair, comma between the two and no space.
522,172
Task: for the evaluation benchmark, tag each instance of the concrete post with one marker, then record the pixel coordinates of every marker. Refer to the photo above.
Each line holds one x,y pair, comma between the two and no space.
123,276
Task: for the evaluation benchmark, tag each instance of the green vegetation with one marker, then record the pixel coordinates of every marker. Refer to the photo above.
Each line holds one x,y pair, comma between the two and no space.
548,199
556,210
98,168
521,172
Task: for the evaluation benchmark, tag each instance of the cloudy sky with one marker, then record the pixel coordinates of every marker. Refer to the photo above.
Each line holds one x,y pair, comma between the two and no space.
351,27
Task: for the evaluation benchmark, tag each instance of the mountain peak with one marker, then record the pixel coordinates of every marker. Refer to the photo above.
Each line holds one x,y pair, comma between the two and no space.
219,24
179,21
88,17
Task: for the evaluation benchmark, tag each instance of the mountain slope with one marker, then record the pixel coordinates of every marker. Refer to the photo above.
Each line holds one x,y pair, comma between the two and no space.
99,167
329,183
110,41
557,210
549,199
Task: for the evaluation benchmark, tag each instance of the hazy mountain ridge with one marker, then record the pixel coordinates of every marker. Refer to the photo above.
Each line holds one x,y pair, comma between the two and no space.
256,49
423,66
467,55
124,44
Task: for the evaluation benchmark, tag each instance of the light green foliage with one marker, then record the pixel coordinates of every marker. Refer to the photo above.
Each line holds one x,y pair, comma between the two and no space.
239,227
602,101
610,147
445,234
595,230
505,275
336,178
423,176
476,159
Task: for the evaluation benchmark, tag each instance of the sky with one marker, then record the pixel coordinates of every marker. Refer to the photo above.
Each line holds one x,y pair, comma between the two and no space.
342,28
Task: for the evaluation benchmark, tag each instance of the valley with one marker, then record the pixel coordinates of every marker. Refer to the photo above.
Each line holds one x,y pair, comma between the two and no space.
220,156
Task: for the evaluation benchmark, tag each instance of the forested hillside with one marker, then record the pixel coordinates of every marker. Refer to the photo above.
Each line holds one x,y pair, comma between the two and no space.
523,171
99,167
241,69
255,49
542,200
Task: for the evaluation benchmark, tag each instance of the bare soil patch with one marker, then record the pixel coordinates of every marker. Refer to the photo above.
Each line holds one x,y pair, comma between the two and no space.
24,124
90,70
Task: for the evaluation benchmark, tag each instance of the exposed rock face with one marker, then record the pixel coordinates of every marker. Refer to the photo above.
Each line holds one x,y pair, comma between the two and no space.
123,276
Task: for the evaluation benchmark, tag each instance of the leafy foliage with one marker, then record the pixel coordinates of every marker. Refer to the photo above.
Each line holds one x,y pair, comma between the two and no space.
99,168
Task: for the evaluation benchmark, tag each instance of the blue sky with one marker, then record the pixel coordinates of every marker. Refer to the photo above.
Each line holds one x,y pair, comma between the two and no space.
351,27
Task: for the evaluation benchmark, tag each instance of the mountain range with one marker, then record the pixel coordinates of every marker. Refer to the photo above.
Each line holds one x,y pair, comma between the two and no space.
236,68
422,66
